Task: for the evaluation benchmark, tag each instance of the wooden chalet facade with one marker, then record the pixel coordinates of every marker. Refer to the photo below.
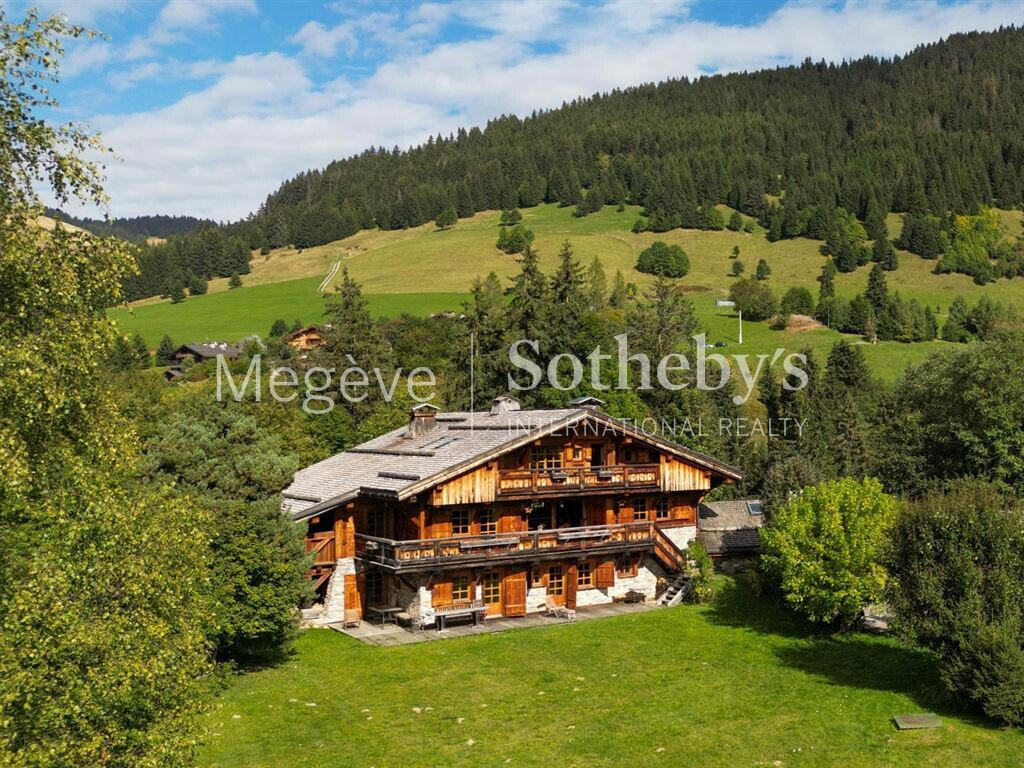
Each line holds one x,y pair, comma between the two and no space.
501,513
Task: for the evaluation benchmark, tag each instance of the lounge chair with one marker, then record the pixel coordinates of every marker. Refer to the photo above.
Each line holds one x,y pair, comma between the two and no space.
554,609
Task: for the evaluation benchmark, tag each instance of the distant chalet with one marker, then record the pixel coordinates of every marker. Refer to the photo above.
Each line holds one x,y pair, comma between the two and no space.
500,513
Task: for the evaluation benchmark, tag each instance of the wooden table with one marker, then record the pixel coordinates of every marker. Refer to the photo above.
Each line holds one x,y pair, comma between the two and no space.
387,613
475,609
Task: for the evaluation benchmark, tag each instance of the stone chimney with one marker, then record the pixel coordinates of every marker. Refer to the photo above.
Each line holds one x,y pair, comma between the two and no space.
422,419
504,404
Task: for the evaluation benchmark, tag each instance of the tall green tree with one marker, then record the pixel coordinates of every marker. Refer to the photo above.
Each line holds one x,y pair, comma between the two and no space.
597,286
117,678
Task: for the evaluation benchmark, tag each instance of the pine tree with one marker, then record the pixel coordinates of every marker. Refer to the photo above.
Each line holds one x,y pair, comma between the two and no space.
567,302
353,335
447,218
296,326
235,281
735,253
620,293
165,352
140,352
527,298
279,328
177,293
597,285
735,222
763,271
737,268
957,322
878,291
827,281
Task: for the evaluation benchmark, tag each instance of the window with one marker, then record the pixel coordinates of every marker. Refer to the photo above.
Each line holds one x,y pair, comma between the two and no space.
460,521
545,457
376,523
662,511
626,567
640,508
374,588
583,576
556,580
485,517
460,589
492,589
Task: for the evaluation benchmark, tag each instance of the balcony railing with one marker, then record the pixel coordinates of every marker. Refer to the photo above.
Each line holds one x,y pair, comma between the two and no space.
561,480
420,554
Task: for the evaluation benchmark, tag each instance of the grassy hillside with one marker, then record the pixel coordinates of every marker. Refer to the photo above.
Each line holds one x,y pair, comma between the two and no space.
422,270
738,683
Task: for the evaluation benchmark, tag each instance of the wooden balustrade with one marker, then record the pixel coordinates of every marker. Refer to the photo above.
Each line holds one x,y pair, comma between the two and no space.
420,554
534,482
322,544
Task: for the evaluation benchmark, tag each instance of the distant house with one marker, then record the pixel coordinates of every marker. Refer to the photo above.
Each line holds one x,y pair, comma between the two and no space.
198,353
306,338
730,528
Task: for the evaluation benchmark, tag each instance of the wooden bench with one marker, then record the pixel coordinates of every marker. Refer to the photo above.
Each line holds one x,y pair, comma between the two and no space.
575,535
474,610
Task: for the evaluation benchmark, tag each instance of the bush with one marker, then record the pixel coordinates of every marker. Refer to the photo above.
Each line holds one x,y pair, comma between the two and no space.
755,299
737,268
824,548
957,588
797,301
701,572
514,239
735,221
663,260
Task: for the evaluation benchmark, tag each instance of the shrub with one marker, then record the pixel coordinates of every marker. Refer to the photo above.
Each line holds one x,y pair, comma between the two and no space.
957,588
737,268
235,281
735,221
663,260
701,571
763,271
824,548
447,218
797,301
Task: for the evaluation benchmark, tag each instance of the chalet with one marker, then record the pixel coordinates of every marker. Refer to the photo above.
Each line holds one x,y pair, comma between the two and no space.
500,513
306,338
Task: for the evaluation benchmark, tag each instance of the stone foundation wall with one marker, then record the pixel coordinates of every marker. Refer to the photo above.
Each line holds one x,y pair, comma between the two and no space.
334,599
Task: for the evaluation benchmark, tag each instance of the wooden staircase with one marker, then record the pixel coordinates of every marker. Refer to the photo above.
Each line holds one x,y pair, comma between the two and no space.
677,590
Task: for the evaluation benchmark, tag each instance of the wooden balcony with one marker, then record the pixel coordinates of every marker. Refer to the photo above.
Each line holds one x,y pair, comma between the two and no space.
527,483
497,548
321,545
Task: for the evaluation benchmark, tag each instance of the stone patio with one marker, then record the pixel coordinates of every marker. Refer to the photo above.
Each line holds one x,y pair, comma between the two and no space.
391,634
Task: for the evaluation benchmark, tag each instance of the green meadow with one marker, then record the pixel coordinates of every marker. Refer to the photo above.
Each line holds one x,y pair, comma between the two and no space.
424,270
740,682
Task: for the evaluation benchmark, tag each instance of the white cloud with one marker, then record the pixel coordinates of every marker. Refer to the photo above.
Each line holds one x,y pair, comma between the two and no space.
85,56
84,12
318,40
180,16
221,149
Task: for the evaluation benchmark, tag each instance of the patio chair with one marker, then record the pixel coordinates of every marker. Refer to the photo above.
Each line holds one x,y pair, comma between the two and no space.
559,611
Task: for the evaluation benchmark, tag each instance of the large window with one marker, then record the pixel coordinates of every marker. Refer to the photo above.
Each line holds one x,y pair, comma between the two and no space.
640,508
556,580
662,511
460,521
627,567
460,589
584,578
492,588
545,457
485,517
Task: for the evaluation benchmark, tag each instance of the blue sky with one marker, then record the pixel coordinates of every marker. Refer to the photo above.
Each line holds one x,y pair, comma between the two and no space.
210,104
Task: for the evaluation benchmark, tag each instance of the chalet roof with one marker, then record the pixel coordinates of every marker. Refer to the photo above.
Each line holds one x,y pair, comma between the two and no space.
210,349
730,527
396,465
301,332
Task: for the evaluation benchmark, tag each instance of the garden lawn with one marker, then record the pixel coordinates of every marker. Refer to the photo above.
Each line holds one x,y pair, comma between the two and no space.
739,683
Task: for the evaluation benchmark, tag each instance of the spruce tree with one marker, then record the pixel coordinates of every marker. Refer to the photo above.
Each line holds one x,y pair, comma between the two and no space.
235,281
763,271
737,268
353,335
735,222
140,351
177,293
447,218
165,351
957,322
527,299
877,291
827,281
279,328
620,293
597,285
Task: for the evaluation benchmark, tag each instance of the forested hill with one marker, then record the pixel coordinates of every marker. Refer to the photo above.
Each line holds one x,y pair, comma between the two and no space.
939,130
135,228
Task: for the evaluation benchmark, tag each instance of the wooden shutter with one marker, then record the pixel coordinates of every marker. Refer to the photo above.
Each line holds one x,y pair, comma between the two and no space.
515,593
355,586
604,574
571,575
441,593
626,512
440,524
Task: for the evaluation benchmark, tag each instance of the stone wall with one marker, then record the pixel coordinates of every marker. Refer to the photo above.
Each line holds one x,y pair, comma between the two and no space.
334,599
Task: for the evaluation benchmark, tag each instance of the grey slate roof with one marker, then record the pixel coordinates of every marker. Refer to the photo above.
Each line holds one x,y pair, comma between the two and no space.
209,350
728,528
398,466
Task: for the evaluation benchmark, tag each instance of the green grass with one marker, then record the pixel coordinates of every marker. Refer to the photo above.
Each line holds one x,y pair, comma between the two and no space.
401,264
739,683
253,309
